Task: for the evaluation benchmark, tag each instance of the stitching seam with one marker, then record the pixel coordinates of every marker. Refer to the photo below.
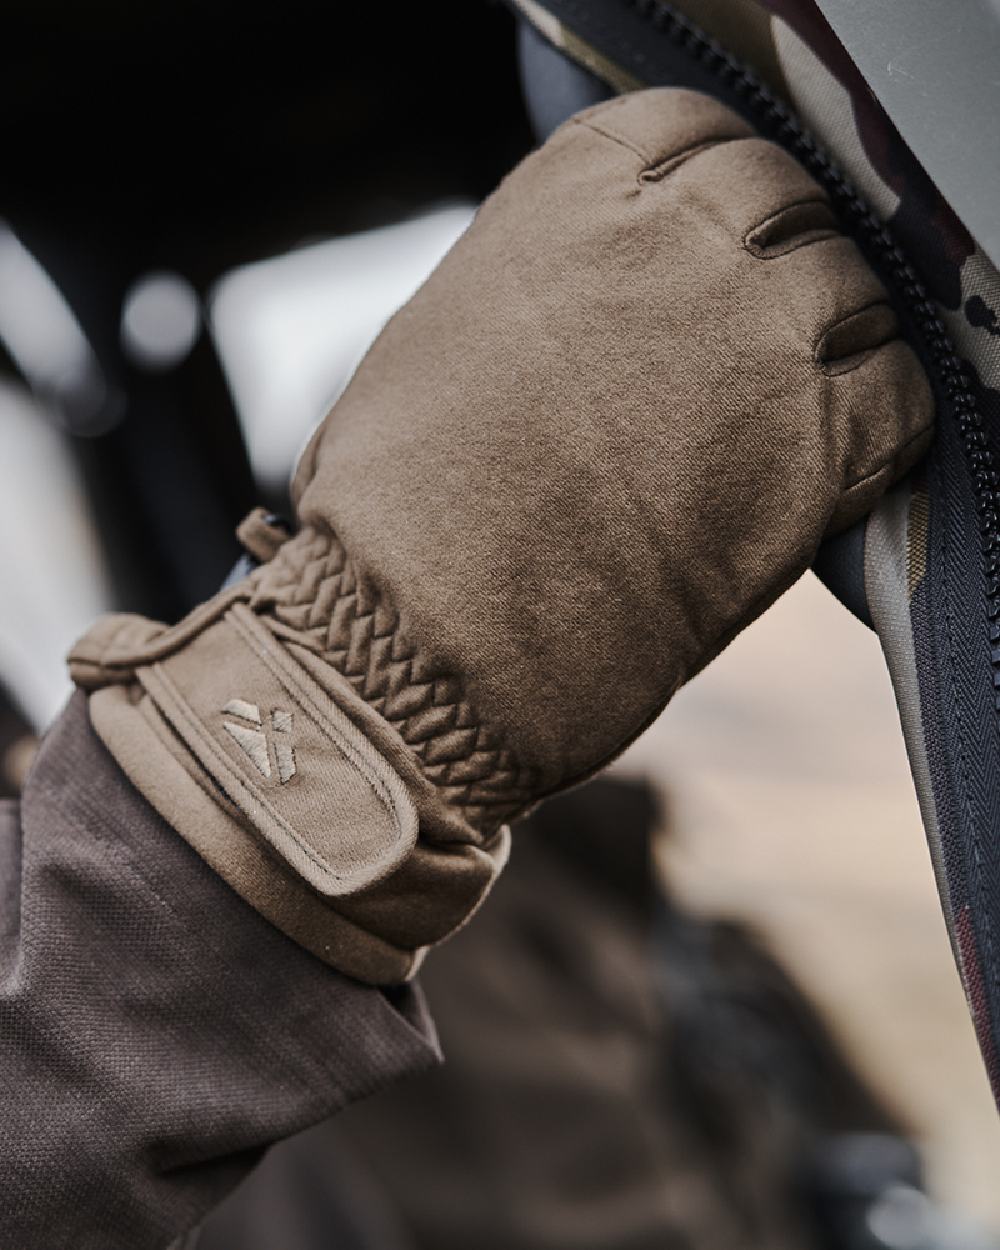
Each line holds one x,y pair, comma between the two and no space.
865,352
813,235
657,172
896,456
615,137
963,776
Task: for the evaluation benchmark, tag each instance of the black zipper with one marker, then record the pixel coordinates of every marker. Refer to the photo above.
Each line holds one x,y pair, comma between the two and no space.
776,121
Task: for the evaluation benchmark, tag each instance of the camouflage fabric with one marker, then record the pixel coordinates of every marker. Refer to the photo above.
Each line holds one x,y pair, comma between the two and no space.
930,578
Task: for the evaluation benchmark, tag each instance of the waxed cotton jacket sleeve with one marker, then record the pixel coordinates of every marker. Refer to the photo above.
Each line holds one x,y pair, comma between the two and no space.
156,1034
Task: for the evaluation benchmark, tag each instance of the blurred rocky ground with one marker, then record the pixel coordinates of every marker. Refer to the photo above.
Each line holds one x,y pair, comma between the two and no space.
793,809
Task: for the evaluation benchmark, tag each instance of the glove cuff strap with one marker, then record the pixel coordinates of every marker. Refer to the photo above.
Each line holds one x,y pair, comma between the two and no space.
261,770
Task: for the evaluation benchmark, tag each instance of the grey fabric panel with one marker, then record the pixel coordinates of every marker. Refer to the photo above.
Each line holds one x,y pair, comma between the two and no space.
888,598
932,67
156,1034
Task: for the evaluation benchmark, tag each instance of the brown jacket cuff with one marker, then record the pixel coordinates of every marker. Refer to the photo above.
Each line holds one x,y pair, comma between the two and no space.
156,1034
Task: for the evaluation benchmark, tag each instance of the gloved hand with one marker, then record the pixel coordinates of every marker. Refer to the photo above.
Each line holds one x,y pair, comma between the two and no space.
611,429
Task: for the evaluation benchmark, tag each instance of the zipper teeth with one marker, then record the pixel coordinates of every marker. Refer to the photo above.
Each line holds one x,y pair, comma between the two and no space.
778,122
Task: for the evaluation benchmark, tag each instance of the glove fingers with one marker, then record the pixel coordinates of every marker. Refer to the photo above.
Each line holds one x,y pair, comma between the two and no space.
878,407
704,154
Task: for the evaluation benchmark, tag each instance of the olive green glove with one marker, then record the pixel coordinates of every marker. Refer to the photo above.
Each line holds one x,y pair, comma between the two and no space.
612,427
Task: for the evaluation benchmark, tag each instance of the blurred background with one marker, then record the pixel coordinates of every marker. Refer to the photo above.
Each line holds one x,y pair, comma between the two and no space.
713,1004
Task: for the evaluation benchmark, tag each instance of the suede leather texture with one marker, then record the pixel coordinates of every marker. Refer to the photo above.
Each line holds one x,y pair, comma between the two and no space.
611,428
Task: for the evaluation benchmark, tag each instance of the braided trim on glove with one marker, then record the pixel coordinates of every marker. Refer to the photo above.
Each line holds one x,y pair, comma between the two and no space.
312,588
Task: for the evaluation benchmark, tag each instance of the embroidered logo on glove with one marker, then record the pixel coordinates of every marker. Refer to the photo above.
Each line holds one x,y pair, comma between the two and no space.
253,742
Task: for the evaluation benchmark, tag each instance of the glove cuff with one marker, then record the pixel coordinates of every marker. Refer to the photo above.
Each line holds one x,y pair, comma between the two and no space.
258,766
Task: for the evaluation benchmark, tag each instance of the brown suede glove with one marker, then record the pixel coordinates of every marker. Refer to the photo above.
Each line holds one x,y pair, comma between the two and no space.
612,427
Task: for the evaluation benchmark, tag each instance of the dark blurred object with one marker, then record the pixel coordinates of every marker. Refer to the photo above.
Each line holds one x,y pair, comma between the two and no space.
866,1193
620,1075
849,1176
152,148
17,746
